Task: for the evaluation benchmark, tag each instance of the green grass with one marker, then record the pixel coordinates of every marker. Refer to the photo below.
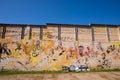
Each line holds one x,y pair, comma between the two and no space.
105,70
28,72
55,72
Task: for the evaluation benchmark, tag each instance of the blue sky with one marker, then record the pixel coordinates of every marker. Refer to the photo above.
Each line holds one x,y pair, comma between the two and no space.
60,11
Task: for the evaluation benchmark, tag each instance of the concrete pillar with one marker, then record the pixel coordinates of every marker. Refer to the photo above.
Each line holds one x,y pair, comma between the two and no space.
92,35
119,32
23,32
76,33
4,31
1,32
30,33
41,33
107,32
59,32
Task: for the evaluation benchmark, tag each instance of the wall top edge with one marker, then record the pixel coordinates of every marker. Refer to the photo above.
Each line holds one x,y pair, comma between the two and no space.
24,25
56,24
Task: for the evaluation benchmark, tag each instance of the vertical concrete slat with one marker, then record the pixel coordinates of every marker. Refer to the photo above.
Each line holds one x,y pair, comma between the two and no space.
41,32
108,35
30,33
92,35
76,33
59,32
23,31
4,31
0,32
119,32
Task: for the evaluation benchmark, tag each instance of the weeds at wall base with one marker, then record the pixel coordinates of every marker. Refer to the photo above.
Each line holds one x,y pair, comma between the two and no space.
8,72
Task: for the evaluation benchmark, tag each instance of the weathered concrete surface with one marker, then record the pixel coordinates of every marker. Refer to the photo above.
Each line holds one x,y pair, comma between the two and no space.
65,76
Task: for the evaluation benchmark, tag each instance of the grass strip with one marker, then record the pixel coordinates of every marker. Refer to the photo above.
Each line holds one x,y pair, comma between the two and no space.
55,72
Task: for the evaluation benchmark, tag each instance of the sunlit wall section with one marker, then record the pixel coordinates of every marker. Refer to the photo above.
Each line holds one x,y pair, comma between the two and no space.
13,33
44,33
26,32
68,35
12,36
114,33
100,34
35,32
84,34
119,32
52,32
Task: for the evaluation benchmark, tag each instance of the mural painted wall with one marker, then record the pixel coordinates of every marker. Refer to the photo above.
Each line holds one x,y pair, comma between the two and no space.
67,33
67,36
35,33
113,32
100,34
84,34
49,53
26,31
50,33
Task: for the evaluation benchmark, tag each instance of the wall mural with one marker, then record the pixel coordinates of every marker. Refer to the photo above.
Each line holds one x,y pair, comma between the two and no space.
100,34
67,33
52,54
113,33
84,34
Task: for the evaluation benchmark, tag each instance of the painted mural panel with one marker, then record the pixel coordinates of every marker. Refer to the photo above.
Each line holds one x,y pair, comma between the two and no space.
54,32
68,36
67,33
13,33
50,33
26,32
113,32
36,33
100,34
12,36
84,34
49,54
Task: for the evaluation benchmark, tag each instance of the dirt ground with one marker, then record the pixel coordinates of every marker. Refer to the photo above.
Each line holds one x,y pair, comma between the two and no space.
65,76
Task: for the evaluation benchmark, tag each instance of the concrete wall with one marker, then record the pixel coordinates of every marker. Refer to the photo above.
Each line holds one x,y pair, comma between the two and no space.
53,46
